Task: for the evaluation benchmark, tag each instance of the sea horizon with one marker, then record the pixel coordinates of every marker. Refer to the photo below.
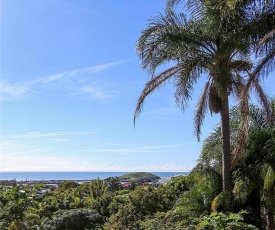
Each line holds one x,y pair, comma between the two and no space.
71,175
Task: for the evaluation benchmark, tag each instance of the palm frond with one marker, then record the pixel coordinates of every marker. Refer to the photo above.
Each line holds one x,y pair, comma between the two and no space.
239,149
263,98
162,40
269,178
211,153
266,38
243,112
195,6
265,66
201,109
171,37
223,201
243,187
259,118
152,85
238,85
189,71
240,65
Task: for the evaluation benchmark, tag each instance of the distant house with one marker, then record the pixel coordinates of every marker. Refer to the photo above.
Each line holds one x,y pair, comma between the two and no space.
42,192
126,185
124,181
164,180
52,187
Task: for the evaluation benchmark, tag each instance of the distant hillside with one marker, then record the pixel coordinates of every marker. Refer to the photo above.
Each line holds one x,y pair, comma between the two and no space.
139,177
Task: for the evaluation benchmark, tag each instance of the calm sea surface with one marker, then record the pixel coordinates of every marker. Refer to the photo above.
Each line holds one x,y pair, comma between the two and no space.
22,176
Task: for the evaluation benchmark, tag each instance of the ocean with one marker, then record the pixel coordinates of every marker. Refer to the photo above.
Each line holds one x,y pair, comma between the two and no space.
23,176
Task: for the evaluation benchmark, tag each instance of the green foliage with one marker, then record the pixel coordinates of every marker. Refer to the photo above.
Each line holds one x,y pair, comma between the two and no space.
113,184
127,210
181,184
67,185
254,176
222,221
123,192
101,204
48,206
18,210
160,221
204,187
75,219
98,188
39,186
125,218
222,201
147,200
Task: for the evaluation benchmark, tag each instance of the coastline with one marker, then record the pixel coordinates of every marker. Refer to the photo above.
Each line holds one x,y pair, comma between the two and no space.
75,176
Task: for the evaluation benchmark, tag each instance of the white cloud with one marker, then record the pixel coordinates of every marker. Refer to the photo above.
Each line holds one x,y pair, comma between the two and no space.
167,167
10,91
96,93
133,149
164,113
49,134
73,73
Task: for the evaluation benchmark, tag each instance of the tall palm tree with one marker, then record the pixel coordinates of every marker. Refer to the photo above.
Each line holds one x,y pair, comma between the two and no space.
254,173
194,50
255,177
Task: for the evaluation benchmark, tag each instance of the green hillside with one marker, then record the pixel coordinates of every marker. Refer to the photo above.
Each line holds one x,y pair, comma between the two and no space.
139,176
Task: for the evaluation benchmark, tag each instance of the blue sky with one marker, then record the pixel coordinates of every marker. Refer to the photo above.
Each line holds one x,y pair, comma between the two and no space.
70,79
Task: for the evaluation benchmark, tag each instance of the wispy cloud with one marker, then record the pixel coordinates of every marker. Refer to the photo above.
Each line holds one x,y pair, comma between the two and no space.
164,113
49,134
76,72
133,149
10,91
76,83
96,93
167,167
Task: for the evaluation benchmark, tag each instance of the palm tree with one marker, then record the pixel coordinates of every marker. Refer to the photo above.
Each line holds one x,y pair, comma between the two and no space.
254,173
255,177
195,50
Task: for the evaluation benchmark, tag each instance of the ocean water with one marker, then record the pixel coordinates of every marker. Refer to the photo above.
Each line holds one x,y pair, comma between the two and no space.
23,176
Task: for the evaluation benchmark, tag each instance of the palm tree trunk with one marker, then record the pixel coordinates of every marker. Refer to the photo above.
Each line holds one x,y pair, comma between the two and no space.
226,158
17,225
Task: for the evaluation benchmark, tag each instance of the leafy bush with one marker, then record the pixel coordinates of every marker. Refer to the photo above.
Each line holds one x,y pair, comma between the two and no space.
222,221
74,219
